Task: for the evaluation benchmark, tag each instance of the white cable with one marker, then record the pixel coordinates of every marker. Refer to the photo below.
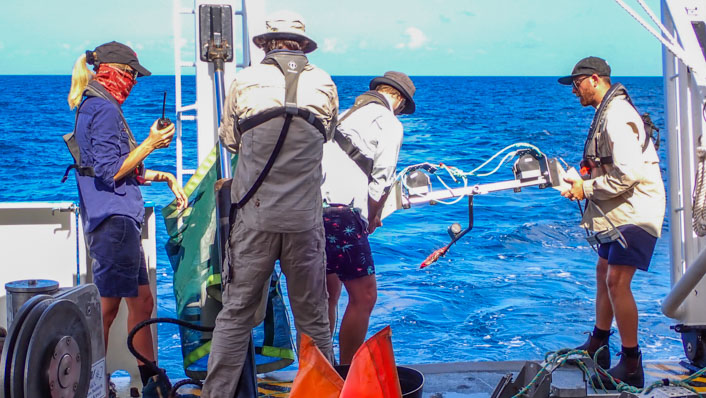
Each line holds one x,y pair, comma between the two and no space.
515,145
461,174
465,184
504,159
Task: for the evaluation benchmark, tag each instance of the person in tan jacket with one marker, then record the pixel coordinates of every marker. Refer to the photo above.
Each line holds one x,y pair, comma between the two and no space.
624,191
277,116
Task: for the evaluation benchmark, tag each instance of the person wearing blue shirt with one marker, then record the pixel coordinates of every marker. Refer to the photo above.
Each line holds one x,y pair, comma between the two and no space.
110,171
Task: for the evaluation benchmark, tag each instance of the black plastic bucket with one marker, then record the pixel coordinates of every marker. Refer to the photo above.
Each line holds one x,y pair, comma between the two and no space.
411,380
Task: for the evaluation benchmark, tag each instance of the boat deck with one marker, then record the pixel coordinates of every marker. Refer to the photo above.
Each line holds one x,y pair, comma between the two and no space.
477,379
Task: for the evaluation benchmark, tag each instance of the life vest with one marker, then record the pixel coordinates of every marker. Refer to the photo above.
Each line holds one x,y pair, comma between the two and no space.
353,152
93,89
594,154
291,64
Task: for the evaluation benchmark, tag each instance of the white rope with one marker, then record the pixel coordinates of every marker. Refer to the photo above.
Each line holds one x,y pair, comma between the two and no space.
698,204
465,184
657,22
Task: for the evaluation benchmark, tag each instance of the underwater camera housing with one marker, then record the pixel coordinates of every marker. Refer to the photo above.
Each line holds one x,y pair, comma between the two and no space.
532,165
417,183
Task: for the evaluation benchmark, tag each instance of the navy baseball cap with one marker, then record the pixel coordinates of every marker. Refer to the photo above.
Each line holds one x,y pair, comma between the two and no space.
119,53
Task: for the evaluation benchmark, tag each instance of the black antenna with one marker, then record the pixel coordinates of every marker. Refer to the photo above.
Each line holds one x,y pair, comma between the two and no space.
164,122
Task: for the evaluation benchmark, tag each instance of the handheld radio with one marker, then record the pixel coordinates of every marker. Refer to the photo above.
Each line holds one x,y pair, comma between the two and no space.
163,121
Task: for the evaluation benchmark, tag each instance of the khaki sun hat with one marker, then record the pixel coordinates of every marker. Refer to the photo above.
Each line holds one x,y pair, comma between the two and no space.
285,25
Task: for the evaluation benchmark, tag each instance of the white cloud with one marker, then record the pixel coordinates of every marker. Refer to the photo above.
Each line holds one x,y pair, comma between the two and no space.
136,47
417,39
363,44
332,45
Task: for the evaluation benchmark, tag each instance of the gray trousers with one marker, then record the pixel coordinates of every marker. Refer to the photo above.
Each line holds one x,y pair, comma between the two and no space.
252,256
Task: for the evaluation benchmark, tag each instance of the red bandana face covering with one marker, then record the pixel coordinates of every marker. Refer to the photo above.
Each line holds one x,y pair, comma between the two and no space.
117,82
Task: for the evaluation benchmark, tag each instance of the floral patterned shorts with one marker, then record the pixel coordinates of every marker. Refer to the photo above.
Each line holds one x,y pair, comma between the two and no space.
347,248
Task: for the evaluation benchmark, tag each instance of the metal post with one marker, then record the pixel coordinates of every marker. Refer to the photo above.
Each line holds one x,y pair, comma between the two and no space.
673,304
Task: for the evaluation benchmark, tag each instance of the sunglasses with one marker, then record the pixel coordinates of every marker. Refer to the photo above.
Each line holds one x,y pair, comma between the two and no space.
578,82
132,73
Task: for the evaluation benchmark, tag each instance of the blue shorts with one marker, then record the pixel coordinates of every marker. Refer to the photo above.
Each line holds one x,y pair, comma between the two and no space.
119,265
638,254
348,252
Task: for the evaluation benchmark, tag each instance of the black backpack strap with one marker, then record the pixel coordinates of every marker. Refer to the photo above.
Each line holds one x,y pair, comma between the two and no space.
353,152
368,97
364,162
268,165
93,89
75,151
291,64
650,128
647,123
262,117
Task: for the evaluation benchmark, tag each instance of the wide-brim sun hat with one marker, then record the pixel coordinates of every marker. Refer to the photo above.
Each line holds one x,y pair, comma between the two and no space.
117,53
285,25
402,83
587,66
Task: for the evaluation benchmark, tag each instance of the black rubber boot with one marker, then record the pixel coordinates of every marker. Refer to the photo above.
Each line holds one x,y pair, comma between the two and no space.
592,345
628,371
158,386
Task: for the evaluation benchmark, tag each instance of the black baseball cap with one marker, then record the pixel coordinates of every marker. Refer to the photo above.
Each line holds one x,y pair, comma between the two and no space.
587,66
118,53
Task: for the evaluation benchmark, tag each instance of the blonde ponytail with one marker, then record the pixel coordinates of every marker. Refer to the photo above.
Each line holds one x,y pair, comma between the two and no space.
80,77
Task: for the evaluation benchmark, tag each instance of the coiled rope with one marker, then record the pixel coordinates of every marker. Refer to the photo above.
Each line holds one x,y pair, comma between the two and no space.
556,359
698,204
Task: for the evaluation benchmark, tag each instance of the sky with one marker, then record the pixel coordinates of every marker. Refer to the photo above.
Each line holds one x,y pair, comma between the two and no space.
361,37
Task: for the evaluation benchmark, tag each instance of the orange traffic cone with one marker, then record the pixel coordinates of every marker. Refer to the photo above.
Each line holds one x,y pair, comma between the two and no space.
373,373
316,377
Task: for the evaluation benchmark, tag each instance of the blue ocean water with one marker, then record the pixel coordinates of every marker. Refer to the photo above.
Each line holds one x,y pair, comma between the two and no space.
521,283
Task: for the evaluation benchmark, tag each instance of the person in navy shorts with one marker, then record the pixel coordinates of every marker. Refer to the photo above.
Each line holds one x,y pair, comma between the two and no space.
109,174
624,193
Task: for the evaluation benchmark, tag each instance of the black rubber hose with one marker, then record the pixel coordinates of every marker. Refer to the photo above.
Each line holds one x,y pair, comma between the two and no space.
150,364
178,384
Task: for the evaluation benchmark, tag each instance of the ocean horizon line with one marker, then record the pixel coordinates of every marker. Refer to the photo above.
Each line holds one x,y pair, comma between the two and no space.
418,76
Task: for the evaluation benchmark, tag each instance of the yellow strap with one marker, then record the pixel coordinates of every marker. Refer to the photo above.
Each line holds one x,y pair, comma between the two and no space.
197,354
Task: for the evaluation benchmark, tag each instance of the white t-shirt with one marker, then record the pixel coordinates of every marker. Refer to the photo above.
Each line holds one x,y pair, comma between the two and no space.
377,133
